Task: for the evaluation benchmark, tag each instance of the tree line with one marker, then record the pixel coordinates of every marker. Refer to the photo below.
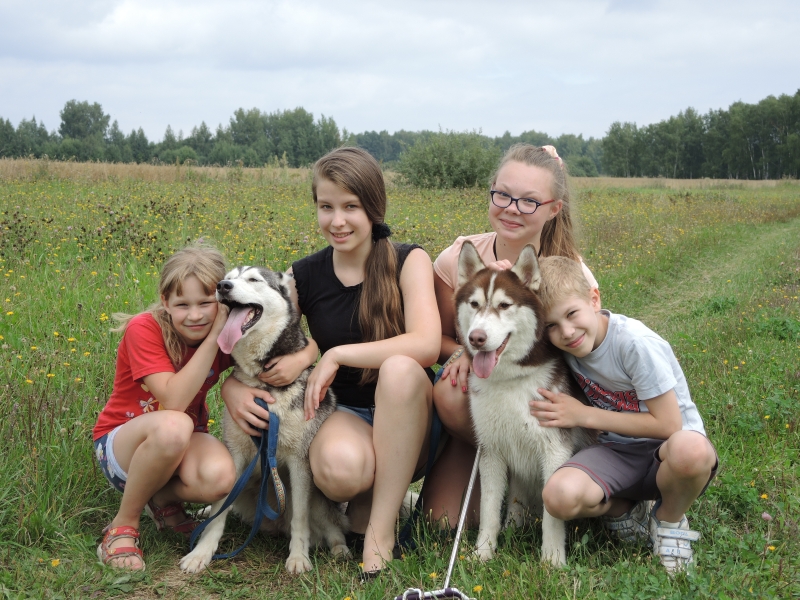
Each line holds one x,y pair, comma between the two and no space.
746,141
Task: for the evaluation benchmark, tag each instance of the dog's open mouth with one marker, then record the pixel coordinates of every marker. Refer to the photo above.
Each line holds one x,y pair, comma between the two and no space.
483,363
241,318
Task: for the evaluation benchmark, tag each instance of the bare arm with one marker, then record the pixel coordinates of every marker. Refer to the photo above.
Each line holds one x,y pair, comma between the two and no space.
444,301
662,420
175,391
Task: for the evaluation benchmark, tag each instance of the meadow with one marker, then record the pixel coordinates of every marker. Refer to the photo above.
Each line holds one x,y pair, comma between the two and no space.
713,266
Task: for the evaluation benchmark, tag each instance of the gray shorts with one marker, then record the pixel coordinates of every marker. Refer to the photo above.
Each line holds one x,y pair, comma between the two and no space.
625,470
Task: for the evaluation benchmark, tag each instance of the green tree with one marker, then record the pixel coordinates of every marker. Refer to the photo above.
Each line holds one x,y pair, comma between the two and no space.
81,120
117,147
449,160
140,147
201,140
31,138
8,139
620,157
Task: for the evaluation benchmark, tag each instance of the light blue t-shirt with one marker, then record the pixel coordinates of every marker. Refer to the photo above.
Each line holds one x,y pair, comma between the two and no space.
633,364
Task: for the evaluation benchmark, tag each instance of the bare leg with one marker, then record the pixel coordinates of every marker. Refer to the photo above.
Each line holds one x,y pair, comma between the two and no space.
572,494
349,458
446,484
687,459
452,405
152,449
402,424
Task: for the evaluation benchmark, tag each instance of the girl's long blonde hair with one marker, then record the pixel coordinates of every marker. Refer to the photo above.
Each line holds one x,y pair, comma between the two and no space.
199,260
380,308
557,237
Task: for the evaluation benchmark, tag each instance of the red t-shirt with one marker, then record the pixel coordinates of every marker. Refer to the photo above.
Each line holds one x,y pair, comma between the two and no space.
141,353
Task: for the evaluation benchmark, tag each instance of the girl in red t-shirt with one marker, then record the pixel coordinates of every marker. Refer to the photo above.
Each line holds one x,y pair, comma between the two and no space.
151,439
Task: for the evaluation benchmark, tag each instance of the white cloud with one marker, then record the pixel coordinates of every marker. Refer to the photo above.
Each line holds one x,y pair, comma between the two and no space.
571,66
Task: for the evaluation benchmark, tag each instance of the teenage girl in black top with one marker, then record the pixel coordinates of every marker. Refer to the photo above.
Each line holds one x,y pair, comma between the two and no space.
371,308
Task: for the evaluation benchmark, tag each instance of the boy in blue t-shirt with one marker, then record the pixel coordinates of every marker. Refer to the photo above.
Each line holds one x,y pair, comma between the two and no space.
652,444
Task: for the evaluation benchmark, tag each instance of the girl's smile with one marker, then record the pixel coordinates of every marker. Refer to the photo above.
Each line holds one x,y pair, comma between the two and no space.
522,181
192,311
342,219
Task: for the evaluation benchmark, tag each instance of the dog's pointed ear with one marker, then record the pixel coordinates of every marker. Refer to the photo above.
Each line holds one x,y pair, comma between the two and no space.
286,277
469,263
527,268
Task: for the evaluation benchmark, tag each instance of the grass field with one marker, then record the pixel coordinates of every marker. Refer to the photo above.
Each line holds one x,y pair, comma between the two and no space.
714,268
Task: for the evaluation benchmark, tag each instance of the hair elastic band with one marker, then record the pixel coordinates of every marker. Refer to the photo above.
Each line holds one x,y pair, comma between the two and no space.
551,150
380,231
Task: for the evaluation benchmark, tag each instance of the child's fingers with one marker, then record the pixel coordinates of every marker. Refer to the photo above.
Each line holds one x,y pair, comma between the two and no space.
547,393
462,379
446,372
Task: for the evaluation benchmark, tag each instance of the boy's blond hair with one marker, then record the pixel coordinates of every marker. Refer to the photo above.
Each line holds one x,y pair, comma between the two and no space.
561,278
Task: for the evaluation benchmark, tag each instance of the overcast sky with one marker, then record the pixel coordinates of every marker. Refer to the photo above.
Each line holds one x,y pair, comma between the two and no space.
564,66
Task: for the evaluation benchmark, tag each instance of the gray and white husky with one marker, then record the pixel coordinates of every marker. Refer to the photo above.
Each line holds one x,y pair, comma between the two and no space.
500,320
263,323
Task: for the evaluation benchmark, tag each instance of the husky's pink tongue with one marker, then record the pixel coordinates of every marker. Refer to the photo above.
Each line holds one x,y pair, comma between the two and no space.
233,329
483,363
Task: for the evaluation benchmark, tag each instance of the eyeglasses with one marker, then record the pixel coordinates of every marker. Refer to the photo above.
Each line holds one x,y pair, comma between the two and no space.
527,206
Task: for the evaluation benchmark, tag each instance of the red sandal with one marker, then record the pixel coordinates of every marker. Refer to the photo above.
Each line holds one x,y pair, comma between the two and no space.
160,516
110,535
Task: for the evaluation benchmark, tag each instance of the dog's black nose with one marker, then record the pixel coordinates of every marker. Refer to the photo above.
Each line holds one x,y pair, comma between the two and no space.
224,286
477,337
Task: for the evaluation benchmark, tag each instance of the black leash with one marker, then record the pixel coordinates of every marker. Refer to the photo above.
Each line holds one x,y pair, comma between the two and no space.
267,445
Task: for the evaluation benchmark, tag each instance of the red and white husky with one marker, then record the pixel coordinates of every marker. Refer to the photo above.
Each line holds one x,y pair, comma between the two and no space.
501,323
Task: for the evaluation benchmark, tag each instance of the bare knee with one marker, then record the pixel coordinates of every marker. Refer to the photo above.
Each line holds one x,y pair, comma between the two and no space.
689,455
341,471
218,477
171,433
451,403
403,380
563,496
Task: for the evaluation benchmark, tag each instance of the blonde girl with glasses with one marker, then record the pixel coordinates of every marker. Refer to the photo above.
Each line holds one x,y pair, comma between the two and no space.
371,309
529,203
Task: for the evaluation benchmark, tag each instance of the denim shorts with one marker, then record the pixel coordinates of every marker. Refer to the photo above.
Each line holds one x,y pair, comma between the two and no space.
366,414
104,450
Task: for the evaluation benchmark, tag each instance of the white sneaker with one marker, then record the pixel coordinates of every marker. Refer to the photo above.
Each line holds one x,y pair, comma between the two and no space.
672,542
632,526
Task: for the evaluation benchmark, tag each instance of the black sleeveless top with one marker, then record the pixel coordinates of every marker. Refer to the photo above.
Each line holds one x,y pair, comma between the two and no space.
331,309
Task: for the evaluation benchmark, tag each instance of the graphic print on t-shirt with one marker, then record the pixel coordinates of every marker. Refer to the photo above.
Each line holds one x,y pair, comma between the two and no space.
626,401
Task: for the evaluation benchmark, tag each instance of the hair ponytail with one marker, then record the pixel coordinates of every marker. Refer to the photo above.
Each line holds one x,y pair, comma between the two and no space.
380,308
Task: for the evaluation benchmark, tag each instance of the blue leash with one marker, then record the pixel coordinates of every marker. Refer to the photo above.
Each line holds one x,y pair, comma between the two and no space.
267,447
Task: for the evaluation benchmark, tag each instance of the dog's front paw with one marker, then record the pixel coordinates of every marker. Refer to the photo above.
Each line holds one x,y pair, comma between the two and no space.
340,552
196,561
484,550
517,515
298,564
555,556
